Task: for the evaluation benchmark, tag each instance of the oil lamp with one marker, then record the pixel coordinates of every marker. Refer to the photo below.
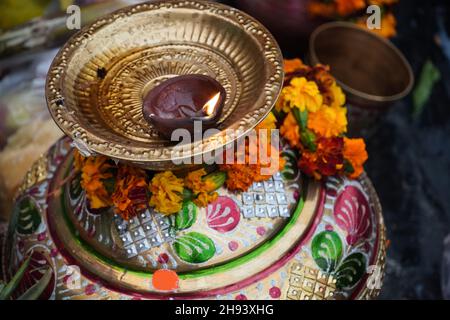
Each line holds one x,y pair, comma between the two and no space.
181,101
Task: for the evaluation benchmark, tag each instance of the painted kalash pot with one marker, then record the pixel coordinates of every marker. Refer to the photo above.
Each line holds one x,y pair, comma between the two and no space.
107,214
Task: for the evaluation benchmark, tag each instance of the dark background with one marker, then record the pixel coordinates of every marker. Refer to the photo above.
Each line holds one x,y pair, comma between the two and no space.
409,161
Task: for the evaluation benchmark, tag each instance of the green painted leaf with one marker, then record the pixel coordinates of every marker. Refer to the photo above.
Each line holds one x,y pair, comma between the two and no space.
29,218
194,247
351,270
327,250
187,216
38,288
9,288
290,170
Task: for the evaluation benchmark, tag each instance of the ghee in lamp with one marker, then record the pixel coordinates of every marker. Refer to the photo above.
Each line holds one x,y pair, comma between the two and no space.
180,101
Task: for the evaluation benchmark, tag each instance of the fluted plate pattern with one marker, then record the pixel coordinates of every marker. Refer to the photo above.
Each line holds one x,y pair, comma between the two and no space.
98,80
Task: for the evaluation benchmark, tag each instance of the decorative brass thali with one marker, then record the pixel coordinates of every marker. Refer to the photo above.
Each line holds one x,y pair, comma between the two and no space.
97,81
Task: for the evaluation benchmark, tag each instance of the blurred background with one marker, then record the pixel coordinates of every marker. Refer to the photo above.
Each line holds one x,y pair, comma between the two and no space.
408,145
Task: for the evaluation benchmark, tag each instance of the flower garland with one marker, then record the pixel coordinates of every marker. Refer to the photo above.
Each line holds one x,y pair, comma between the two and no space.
311,110
311,117
354,10
130,189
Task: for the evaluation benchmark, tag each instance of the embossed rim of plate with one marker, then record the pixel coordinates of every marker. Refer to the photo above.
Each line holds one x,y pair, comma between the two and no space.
140,155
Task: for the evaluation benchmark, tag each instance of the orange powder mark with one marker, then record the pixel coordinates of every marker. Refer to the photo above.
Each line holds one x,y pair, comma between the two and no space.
165,280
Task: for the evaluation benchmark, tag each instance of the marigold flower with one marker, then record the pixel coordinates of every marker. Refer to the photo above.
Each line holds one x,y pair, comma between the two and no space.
292,65
241,176
204,198
269,122
383,2
338,96
327,160
320,9
130,193
201,187
94,170
290,130
388,25
347,7
167,192
328,121
355,152
300,93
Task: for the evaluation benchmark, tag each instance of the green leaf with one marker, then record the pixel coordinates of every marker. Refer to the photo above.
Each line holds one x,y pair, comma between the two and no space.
34,292
327,250
348,168
301,117
290,170
29,218
187,194
187,216
12,285
428,78
351,270
217,177
308,139
194,247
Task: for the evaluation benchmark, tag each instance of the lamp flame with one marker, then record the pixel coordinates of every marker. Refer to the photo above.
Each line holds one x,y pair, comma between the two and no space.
210,106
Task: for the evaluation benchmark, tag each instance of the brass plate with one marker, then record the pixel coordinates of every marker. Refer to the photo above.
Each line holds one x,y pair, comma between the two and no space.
97,82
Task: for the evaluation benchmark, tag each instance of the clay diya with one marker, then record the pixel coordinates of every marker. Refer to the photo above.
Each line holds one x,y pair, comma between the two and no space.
180,102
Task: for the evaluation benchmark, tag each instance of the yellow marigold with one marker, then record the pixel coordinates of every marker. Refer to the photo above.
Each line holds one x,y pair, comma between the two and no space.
269,122
290,130
347,7
204,198
300,93
93,171
388,25
167,192
355,152
328,121
129,194
338,96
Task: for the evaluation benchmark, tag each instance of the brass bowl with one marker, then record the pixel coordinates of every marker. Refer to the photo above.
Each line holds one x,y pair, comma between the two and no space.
372,72
97,82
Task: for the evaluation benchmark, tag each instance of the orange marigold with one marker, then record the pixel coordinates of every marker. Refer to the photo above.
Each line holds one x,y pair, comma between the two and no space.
204,198
328,121
355,152
347,7
388,25
167,192
292,65
130,192
201,187
241,176
94,170
290,130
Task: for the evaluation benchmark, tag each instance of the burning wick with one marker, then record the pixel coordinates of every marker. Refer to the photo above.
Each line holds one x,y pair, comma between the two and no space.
210,106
